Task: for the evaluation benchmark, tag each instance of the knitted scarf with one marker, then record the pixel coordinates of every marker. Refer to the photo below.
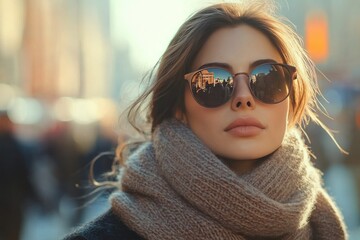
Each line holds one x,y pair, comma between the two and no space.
174,187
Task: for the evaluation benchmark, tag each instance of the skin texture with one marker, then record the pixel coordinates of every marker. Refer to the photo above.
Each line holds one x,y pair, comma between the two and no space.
239,47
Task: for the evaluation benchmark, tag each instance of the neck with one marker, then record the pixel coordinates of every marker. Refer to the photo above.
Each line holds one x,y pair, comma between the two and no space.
241,167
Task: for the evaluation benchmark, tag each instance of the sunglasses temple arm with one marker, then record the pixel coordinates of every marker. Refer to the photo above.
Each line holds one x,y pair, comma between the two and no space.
293,73
188,76
294,76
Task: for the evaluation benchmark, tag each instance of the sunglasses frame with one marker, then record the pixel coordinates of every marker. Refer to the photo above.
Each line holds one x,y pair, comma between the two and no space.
291,69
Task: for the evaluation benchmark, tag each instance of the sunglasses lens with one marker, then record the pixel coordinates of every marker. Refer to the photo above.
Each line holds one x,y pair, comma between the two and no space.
270,83
212,87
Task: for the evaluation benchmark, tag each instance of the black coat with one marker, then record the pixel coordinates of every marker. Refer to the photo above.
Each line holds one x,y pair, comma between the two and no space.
107,226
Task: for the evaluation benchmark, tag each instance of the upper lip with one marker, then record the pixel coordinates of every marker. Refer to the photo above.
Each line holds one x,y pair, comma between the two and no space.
242,122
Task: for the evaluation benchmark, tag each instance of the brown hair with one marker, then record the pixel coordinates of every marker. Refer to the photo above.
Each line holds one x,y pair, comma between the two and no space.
167,90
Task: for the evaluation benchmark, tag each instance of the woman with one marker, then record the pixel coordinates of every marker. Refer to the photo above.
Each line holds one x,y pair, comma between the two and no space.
226,159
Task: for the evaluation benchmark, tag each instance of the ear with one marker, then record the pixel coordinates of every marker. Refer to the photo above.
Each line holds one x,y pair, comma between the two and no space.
181,116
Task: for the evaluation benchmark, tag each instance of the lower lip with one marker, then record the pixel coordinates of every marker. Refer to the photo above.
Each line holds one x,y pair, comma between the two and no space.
245,131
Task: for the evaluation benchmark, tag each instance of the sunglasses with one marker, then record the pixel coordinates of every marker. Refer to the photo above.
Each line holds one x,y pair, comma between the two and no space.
269,83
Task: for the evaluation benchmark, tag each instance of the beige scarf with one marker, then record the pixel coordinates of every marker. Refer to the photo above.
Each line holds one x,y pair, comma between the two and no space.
176,188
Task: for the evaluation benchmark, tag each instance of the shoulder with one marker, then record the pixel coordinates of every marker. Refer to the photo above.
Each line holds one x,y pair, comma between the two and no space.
107,226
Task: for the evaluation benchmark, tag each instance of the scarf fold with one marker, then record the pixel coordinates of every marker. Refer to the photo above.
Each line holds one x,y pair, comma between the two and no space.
174,187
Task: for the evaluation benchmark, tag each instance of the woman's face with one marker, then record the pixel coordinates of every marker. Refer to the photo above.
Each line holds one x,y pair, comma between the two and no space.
240,48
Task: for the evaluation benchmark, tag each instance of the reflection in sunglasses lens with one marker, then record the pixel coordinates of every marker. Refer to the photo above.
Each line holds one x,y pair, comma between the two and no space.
269,83
212,87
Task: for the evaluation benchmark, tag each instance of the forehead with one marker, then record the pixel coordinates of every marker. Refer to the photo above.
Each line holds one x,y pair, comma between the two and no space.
238,47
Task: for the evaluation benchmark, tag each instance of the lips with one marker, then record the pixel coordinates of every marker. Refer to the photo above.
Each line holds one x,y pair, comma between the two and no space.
245,127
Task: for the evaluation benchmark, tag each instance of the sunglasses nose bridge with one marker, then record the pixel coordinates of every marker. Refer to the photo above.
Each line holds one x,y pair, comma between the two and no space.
242,88
241,73
242,97
237,77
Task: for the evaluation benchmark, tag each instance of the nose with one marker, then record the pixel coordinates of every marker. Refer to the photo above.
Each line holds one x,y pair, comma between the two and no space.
242,98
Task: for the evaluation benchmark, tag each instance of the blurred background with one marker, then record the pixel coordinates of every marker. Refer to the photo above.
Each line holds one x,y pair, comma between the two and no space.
68,68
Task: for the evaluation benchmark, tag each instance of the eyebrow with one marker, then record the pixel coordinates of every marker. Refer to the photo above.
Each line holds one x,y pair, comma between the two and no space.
227,66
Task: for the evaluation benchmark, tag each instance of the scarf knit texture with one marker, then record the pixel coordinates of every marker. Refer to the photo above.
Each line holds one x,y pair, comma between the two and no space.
174,187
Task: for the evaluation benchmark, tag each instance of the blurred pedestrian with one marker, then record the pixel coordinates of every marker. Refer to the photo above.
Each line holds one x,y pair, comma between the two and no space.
14,181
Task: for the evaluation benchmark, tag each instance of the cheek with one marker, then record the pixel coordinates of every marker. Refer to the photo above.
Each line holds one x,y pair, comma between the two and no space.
202,121
278,117
193,111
